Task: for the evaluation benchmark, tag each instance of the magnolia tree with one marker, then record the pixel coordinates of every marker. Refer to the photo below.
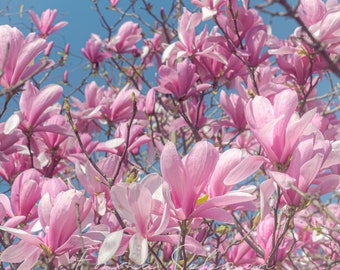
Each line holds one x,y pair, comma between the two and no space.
206,143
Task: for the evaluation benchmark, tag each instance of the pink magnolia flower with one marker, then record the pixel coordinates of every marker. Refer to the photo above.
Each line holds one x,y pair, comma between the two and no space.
17,54
37,106
128,35
180,81
117,104
186,46
309,159
311,11
143,206
233,166
276,126
51,147
10,137
117,145
55,141
136,204
296,67
153,48
15,164
264,237
58,220
88,112
327,30
255,40
187,177
246,20
242,253
25,193
187,181
234,106
92,51
44,23
95,184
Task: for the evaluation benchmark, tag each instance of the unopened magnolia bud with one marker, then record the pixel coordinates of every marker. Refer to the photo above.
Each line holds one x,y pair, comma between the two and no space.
67,48
65,77
150,100
113,3
48,49
163,16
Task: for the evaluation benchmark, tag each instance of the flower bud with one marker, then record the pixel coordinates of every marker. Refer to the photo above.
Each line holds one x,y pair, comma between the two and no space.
48,49
67,48
65,77
150,100
113,3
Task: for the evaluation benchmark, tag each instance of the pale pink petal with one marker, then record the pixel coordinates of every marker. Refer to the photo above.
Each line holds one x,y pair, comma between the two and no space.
258,112
309,171
267,188
282,179
164,221
22,251
226,162
233,197
173,172
63,217
325,184
23,235
119,196
46,97
110,246
199,164
11,124
244,169
207,13
217,214
14,221
140,201
139,250
44,210
4,201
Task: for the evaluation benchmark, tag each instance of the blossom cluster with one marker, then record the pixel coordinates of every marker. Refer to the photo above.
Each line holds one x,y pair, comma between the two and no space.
229,158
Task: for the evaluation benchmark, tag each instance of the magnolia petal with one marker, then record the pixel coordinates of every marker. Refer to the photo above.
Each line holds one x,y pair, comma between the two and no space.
207,13
20,252
244,169
282,179
218,214
266,190
110,246
139,250
11,124
114,143
23,235
165,220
